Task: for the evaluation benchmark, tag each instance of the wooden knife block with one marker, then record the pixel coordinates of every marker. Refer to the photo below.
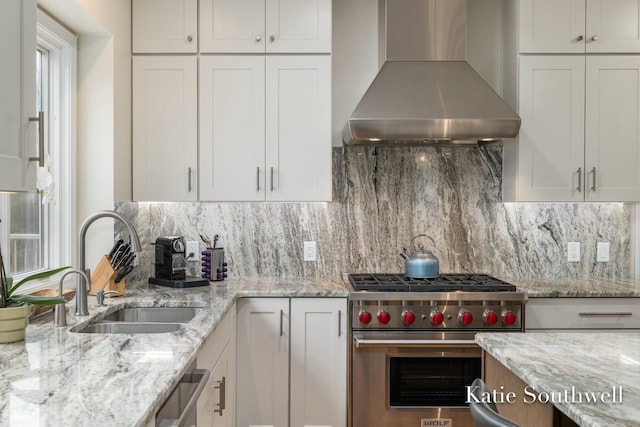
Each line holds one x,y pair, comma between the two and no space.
103,277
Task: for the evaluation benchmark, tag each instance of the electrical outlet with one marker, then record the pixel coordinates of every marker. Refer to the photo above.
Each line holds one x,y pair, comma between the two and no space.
192,248
573,252
602,253
310,251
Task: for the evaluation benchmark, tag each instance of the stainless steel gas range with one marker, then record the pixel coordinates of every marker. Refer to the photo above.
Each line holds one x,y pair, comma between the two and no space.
413,351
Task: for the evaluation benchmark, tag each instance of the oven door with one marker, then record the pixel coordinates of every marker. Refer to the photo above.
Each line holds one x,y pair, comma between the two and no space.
412,379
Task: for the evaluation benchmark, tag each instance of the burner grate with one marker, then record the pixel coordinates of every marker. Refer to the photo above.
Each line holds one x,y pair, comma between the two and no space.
443,283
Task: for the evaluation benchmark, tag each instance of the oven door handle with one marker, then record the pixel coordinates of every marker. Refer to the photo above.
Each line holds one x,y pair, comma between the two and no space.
362,343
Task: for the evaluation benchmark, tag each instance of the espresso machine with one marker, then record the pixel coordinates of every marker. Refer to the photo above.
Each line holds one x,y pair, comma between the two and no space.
170,264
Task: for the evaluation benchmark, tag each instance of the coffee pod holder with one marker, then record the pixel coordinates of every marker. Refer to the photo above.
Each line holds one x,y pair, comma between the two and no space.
214,267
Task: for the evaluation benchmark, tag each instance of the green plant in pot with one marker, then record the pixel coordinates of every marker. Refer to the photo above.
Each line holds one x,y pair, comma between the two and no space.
14,307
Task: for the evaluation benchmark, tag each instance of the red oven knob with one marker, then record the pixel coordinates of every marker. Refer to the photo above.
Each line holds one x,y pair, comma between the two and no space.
465,317
364,317
408,317
490,317
383,317
437,318
508,317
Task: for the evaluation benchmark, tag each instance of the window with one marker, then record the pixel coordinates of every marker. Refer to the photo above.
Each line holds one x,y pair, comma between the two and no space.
40,235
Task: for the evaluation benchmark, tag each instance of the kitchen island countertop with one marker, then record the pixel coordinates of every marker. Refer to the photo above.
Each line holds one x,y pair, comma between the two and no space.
56,377
575,363
578,287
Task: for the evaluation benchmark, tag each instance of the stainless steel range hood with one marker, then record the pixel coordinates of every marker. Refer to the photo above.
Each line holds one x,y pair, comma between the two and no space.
426,93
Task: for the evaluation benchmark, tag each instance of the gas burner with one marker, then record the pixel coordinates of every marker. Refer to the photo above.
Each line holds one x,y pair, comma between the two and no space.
443,283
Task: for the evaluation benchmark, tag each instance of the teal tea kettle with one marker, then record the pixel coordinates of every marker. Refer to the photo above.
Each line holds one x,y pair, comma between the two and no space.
420,264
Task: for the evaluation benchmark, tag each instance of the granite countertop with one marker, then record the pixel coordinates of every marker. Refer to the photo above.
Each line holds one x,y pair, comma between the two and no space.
578,287
590,362
56,377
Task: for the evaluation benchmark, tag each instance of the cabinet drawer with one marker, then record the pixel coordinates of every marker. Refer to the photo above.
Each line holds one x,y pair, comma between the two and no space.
582,313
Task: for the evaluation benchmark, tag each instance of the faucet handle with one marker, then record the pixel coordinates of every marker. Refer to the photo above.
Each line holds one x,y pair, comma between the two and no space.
100,296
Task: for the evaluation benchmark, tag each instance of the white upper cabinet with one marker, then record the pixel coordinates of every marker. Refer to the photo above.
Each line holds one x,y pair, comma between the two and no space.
579,26
580,134
265,26
265,128
165,149
165,26
18,134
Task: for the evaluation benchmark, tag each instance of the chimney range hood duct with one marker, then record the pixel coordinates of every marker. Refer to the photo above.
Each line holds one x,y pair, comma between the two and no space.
426,93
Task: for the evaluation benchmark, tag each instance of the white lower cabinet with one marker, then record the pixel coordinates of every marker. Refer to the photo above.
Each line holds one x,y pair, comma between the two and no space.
291,362
216,405
582,314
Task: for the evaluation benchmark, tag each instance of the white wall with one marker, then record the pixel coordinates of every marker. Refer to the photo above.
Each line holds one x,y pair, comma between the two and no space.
354,57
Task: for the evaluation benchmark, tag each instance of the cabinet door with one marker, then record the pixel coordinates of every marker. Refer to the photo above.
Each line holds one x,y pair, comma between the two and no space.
232,128
613,128
318,362
298,26
551,138
164,128
298,128
232,26
551,26
262,382
613,26
17,91
164,26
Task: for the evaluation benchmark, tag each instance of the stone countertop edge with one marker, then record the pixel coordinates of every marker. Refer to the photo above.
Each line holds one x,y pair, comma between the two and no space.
59,377
552,362
578,287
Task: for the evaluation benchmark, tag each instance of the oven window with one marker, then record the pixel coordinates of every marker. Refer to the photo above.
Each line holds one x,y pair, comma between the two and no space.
419,381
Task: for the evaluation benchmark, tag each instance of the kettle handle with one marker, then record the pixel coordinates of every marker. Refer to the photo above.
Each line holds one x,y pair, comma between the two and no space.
421,235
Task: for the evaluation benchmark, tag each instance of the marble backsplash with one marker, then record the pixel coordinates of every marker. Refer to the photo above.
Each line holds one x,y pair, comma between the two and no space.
382,197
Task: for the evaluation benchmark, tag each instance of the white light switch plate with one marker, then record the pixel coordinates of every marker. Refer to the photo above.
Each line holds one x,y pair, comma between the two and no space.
602,254
573,252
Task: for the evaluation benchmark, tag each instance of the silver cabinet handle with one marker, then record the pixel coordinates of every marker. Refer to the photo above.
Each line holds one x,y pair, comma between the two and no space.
595,38
40,120
605,314
363,343
281,322
221,405
593,183
579,172
258,178
271,178
258,38
580,38
339,323
189,180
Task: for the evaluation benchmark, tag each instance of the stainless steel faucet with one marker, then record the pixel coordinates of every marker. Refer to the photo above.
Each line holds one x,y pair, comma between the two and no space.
60,310
81,293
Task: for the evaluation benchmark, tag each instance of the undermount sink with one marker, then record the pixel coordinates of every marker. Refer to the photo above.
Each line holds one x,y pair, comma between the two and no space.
141,320
130,328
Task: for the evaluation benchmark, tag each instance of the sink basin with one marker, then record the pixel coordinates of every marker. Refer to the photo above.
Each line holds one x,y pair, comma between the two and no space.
141,320
130,328
153,314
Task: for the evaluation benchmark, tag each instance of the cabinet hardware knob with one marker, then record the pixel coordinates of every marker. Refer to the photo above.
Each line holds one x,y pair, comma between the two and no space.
272,38
258,38
189,38
595,38
579,172
580,38
40,120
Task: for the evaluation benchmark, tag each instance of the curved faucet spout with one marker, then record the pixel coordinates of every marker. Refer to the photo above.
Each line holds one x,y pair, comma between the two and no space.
135,247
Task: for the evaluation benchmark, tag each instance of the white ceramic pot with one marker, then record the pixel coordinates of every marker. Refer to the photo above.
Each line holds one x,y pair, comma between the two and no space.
13,322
